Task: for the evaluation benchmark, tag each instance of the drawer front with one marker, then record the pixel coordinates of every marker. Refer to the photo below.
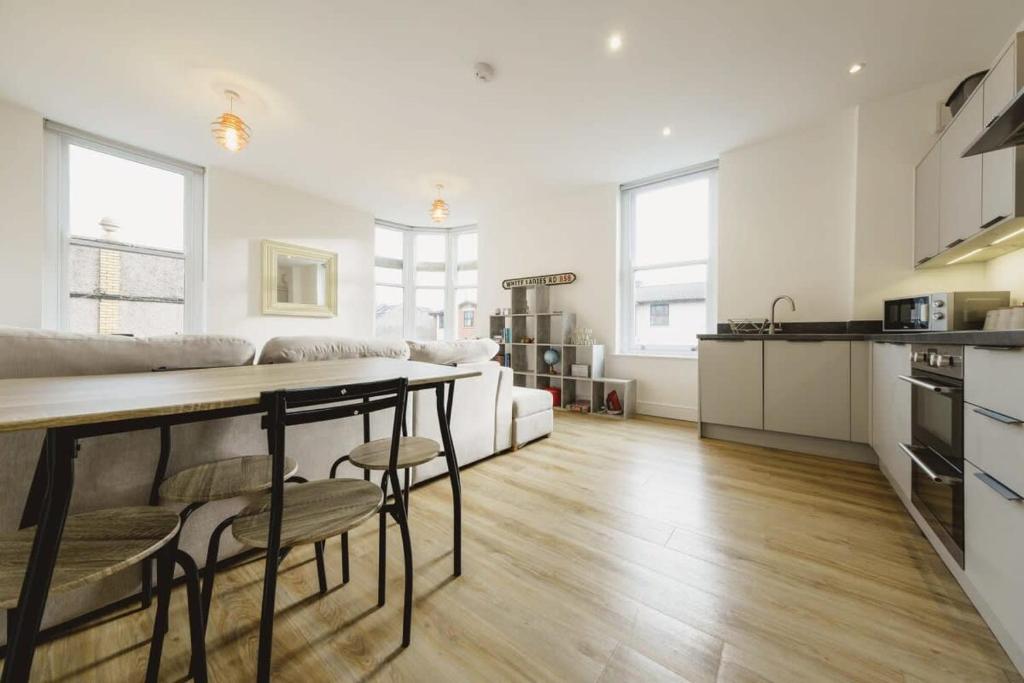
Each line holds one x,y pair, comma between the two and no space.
994,445
994,552
993,379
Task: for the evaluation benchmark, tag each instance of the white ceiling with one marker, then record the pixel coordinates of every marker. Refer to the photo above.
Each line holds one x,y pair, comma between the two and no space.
370,103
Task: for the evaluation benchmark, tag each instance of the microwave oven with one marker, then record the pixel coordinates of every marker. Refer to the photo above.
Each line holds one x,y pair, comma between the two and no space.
942,311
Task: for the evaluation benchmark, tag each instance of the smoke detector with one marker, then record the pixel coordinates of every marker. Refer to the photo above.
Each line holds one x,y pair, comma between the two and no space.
484,72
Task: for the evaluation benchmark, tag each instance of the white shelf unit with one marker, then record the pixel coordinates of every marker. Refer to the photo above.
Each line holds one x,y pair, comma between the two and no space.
530,318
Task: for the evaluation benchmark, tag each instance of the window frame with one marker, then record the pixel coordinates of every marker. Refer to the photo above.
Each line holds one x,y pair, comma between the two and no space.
409,263
627,344
56,282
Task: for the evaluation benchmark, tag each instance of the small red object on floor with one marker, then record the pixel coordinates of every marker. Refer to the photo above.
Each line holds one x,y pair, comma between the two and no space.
613,403
556,395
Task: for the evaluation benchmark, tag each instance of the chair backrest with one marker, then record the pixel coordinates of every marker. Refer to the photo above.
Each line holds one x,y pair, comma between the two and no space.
291,407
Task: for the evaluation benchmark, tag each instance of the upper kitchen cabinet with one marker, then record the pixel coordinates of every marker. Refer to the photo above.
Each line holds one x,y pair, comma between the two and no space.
998,168
959,178
972,209
926,207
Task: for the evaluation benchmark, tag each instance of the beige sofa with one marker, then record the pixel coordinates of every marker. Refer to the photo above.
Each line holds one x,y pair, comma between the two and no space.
118,469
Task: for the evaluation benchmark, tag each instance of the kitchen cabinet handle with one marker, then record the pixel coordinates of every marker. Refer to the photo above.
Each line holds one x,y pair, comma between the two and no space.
937,388
937,478
992,222
805,341
998,417
999,487
994,119
954,242
923,260
996,348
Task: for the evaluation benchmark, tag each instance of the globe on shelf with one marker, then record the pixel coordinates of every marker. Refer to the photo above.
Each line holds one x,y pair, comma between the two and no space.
551,357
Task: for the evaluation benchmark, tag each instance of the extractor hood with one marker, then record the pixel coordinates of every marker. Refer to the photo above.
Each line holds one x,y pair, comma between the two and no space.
1006,130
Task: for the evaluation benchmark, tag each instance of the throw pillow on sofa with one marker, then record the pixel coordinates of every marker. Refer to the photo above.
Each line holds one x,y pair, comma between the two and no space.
303,349
449,352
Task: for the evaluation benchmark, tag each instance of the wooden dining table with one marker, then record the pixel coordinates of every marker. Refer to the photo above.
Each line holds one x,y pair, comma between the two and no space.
74,408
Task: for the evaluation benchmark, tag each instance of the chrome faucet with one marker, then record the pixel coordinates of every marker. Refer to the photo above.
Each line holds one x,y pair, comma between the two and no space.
771,325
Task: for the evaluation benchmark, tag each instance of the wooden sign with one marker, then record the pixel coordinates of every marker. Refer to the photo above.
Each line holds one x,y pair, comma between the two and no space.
557,279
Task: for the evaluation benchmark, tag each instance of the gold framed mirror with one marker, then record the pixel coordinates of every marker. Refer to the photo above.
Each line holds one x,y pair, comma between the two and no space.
299,280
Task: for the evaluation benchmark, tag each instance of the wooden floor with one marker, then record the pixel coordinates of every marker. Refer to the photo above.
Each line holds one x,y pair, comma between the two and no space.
611,551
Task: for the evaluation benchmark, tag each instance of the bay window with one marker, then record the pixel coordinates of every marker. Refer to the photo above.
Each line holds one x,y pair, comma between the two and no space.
668,228
425,282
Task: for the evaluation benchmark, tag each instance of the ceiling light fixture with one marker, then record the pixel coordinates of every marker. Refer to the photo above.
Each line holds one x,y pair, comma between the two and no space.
1007,237
439,209
856,68
615,42
965,256
229,130
666,131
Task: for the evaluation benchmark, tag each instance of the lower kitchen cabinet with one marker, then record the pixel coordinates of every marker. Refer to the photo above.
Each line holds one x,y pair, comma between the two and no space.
994,527
807,388
890,411
730,375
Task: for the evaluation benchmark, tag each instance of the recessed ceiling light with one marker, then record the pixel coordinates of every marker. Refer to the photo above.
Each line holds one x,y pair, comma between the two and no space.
615,42
666,131
855,68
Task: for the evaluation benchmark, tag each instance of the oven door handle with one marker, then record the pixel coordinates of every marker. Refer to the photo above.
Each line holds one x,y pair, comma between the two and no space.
937,388
937,478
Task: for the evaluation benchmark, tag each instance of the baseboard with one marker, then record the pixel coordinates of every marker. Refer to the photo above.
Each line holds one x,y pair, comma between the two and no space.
812,445
669,410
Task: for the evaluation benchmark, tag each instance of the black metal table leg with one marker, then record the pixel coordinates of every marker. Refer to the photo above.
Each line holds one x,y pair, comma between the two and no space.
60,455
443,418
273,542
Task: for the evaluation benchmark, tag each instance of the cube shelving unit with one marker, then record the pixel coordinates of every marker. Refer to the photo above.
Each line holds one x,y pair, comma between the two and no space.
530,317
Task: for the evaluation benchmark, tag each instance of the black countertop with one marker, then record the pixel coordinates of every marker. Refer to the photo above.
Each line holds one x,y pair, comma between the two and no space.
871,331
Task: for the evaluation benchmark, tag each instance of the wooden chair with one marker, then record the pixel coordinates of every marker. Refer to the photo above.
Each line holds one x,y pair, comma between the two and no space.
376,456
97,544
314,511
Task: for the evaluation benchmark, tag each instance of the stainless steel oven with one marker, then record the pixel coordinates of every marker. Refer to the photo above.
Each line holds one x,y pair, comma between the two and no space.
937,451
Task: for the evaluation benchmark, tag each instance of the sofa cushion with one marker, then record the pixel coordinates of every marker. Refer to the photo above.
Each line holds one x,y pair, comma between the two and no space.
527,401
184,351
300,349
45,353
449,352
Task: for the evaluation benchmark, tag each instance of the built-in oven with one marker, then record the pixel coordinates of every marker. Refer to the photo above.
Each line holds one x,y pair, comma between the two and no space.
937,450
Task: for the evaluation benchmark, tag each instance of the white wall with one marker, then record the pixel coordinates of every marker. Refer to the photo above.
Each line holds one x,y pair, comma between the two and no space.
577,231
22,231
785,223
242,211
893,135
1007,272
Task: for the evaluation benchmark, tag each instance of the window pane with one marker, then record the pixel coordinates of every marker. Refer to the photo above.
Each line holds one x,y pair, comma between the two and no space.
429,323
138,204
388,243
671,222
467,247
466,277
669,305
465,309
391,276
389,319
125,204
430,278
431,247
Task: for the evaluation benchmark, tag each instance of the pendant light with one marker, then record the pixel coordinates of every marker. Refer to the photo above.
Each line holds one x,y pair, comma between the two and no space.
229,130
439,209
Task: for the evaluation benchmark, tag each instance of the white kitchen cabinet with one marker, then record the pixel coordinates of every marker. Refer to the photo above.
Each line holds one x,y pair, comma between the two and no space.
926,207
994,555
994,377
998,168
890,412
959,178
807,388
730,377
